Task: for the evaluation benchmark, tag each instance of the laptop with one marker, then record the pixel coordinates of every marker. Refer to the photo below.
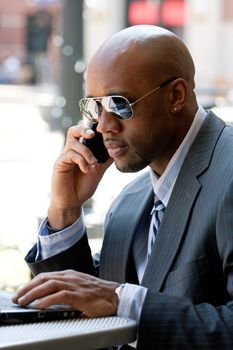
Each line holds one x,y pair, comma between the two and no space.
11,313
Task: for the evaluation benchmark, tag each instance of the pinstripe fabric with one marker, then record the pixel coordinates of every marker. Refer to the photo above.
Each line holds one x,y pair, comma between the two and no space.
115,265
140,247
140,254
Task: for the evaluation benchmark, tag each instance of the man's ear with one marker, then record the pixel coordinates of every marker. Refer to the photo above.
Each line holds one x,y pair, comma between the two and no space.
178,95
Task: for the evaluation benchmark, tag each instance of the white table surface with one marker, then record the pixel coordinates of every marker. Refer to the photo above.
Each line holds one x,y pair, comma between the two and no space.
76,334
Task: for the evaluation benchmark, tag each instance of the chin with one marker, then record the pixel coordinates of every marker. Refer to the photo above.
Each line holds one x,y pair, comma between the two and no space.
132,166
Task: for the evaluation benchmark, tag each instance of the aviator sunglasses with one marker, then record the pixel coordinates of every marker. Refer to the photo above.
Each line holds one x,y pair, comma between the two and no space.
119,106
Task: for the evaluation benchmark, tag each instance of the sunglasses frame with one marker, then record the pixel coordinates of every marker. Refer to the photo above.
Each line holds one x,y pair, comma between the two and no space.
118,115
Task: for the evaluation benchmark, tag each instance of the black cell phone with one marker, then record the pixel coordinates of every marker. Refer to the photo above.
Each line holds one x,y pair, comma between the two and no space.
96,145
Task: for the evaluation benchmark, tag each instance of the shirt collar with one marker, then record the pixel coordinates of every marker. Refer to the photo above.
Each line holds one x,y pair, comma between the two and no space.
164,184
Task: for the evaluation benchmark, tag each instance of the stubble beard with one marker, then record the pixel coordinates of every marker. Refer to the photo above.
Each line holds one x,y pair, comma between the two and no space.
132,164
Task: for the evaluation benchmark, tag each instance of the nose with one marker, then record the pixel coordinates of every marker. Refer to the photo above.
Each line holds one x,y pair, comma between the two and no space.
107,123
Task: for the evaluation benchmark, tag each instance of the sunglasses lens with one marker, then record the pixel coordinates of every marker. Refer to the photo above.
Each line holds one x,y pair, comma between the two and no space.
117,105
120,106
89,107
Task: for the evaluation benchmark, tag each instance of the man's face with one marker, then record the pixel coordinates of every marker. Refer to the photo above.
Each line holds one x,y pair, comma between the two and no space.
147,137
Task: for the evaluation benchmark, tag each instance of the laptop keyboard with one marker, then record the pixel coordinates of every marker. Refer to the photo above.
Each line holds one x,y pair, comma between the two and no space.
5,300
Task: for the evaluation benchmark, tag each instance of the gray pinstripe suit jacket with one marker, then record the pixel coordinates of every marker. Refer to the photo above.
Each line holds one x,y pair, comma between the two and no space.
190,274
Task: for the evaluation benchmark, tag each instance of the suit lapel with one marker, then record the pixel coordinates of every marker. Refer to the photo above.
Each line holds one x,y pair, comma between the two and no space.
181,202
171,232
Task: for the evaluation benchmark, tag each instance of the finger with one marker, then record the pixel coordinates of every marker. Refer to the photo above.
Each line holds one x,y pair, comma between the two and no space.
76,134
79,131
75,137
74,158
78,147
84,154
42,291
65,297
22,291
36,281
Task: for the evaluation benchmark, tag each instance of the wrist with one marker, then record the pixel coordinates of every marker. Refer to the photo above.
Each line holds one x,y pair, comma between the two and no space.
59,219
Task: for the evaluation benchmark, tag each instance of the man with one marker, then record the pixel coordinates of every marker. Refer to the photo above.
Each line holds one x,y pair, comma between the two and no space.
175,279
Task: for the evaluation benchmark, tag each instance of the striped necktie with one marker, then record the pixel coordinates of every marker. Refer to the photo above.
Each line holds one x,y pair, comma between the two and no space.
156,218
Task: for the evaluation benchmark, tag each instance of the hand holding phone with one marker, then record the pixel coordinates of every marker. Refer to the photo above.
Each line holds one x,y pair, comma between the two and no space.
96,145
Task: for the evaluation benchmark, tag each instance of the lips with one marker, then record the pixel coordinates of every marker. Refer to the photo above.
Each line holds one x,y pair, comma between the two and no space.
115,148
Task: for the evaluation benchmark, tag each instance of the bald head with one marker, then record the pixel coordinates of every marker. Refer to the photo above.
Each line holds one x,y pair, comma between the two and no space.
155,50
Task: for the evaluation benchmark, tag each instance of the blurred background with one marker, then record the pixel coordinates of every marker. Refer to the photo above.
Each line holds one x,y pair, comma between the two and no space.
45,46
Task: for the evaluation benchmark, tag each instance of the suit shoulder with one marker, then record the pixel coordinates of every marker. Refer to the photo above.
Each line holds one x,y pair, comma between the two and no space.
140,184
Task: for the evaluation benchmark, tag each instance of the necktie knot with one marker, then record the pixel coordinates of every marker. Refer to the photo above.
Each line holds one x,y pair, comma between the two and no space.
158,206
